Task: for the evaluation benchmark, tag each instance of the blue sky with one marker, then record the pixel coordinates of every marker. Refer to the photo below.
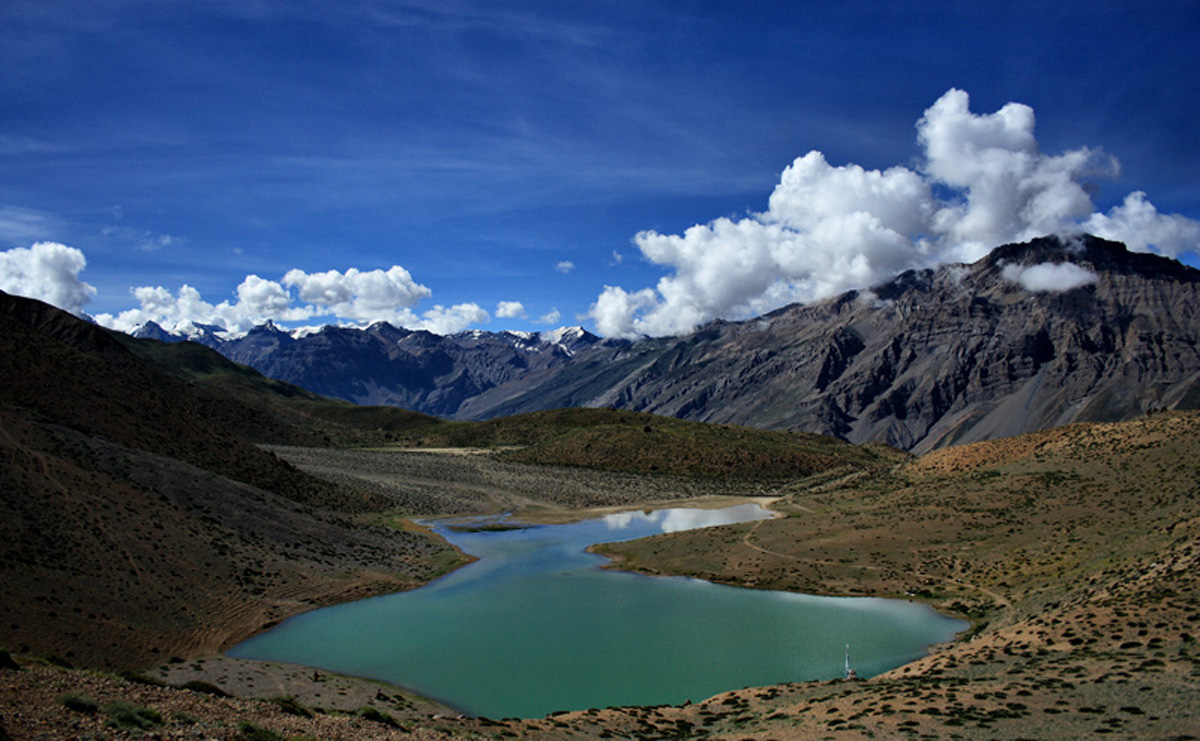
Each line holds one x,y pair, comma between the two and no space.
619,165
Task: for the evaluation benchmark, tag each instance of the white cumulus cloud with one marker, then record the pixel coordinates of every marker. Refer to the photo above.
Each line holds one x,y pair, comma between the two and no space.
47,271
564,266
1049,276
510,310
355,296
442,320
1138,224
983,181
258,300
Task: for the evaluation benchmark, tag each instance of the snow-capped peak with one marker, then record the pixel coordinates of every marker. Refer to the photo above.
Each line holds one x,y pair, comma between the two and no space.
565,334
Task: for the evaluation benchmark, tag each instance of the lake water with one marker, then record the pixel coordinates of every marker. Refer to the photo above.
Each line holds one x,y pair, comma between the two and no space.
535,625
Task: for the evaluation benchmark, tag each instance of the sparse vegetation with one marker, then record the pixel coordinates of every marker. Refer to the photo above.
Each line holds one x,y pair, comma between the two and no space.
617,440
7,661
79,703
291,706
128,716
208,688
252,732
375,715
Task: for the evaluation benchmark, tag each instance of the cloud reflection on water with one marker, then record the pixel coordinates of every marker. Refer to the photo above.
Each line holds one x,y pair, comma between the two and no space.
679,519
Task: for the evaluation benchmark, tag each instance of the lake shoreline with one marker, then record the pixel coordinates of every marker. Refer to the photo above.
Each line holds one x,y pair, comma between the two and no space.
539,558
250,678
247,678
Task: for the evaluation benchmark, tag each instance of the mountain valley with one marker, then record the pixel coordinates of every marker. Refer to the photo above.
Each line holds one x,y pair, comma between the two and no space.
161,502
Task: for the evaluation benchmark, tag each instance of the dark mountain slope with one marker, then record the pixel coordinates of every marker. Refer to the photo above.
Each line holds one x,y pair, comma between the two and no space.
957,354
81,376
138,520
265,410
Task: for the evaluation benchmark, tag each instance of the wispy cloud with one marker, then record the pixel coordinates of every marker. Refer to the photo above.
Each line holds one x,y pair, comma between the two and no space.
141,239
20,225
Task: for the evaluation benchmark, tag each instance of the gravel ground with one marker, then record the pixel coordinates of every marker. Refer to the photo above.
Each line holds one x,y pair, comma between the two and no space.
41,702
449,483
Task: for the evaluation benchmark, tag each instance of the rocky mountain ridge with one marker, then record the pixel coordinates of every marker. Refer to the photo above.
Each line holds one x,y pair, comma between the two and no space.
387,365
934,357
1036,334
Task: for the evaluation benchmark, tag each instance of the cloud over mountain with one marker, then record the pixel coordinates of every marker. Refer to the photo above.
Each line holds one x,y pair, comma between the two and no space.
355,296
1052,277
983,181
49,272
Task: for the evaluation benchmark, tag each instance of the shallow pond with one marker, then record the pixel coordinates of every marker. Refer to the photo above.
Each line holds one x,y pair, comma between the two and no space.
535,625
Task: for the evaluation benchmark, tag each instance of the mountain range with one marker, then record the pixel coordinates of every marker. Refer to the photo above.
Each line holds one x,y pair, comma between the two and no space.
387,365
1036,334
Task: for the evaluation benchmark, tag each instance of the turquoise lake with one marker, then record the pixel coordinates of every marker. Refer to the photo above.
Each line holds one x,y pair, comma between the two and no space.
535,625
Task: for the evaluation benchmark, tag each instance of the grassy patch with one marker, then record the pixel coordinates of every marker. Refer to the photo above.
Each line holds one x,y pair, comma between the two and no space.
375,715
291,706
206,688
130,716
252,732
79,703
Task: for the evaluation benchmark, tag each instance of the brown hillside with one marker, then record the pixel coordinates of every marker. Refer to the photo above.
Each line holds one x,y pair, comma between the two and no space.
136,523
1076,551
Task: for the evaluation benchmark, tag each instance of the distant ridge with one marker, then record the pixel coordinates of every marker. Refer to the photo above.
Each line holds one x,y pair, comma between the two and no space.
1035,334
388,365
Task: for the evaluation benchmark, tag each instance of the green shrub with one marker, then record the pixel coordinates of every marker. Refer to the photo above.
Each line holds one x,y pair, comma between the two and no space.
139,678
290,705
184,718
79,703
251,732
56,660
7,661
123,714
196,685
375,715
